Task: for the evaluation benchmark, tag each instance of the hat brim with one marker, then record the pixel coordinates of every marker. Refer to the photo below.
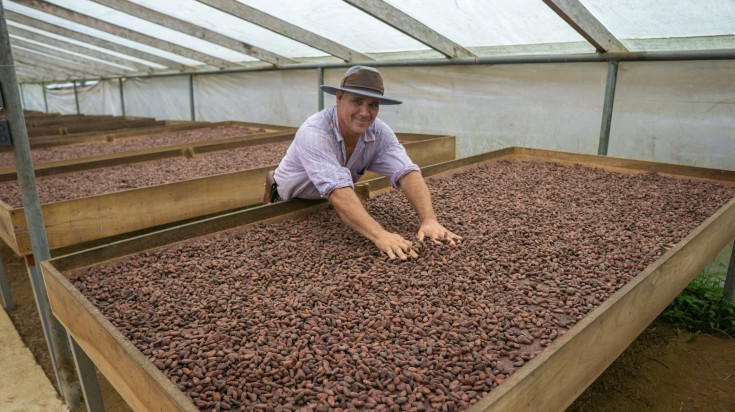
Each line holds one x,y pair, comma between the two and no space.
361,92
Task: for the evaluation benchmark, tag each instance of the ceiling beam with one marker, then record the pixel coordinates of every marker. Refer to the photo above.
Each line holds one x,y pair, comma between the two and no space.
23,62
587,25
92,64
410,26
51,62
38,74
194,30
30,35
124,33
286,29
84,38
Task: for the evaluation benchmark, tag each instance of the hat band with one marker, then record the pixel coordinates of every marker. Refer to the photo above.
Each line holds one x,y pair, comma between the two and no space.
365,89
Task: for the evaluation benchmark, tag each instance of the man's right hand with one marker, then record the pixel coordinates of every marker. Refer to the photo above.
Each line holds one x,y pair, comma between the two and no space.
395,246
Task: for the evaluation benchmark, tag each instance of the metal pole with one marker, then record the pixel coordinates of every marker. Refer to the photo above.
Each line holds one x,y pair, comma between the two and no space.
191,97
320,82
122,95
45,99
56,337
729,290
5,288
607,109
88,378
76,97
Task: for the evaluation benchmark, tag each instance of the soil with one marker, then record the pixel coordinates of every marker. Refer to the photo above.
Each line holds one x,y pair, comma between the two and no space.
665,369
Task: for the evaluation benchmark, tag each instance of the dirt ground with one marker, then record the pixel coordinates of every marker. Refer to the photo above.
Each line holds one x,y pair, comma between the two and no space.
665,369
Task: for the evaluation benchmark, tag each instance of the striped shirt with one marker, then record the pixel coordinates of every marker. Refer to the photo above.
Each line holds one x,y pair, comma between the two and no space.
315,163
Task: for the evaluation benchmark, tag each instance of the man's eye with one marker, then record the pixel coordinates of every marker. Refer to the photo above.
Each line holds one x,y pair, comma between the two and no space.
374,105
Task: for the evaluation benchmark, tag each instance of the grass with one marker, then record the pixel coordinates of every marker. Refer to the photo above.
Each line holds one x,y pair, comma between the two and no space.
701,307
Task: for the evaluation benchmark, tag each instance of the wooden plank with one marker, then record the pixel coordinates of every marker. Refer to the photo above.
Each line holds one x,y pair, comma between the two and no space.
137,380
8,226
96,126
587,25
555,378
83,220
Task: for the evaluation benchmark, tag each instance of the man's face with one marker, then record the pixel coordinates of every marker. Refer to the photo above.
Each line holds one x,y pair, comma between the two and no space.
355,113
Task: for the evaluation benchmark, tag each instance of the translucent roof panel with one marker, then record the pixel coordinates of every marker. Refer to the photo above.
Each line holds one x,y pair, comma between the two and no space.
341,22
82,44
93,32
232,26
97,11
676,24
473,23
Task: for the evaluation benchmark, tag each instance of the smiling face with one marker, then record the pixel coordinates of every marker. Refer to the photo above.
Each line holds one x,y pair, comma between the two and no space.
355,113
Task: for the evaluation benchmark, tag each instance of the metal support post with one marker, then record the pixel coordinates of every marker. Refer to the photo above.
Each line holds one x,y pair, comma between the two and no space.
122,95
320,82
729,290
45,99
88,378
5,288
607,109
56,337
191,98
76,97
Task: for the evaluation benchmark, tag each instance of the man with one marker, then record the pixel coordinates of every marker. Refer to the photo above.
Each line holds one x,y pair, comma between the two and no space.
334,148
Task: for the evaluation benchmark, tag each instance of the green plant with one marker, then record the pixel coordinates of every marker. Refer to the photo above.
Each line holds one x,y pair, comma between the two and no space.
701,307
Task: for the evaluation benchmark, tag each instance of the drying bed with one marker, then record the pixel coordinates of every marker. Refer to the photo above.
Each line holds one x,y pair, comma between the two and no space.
98,216
304,312
57,153
95,182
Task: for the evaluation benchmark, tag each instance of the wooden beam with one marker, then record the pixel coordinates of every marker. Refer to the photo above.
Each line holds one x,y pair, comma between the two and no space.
84,38
124,33
34,63
92,64
411,27
587,25
53,62
30,35
286,29
194,30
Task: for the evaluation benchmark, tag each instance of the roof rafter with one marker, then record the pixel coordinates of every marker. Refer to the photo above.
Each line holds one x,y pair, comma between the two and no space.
124,32
53,63
286,29
92,64
410,26
24,60
84,38
194,30
587,25
30,35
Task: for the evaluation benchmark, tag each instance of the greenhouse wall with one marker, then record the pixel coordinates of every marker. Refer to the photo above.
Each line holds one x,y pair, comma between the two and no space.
671,112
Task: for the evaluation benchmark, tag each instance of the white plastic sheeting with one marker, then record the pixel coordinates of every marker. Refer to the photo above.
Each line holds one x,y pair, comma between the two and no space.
676,112
671,112
32,96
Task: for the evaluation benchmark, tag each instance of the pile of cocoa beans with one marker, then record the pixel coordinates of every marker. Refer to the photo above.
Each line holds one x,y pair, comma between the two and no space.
307,313
125,144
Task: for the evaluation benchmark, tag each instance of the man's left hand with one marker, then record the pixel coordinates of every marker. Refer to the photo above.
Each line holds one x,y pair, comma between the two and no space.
436,232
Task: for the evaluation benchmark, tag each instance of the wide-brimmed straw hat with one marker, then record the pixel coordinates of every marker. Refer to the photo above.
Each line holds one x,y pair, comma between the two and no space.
365,81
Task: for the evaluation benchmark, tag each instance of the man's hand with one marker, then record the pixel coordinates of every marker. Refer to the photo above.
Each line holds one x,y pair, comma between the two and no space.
436,232
395,246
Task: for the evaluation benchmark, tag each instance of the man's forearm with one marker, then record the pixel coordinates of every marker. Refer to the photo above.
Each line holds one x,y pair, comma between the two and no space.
351,211
418,195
